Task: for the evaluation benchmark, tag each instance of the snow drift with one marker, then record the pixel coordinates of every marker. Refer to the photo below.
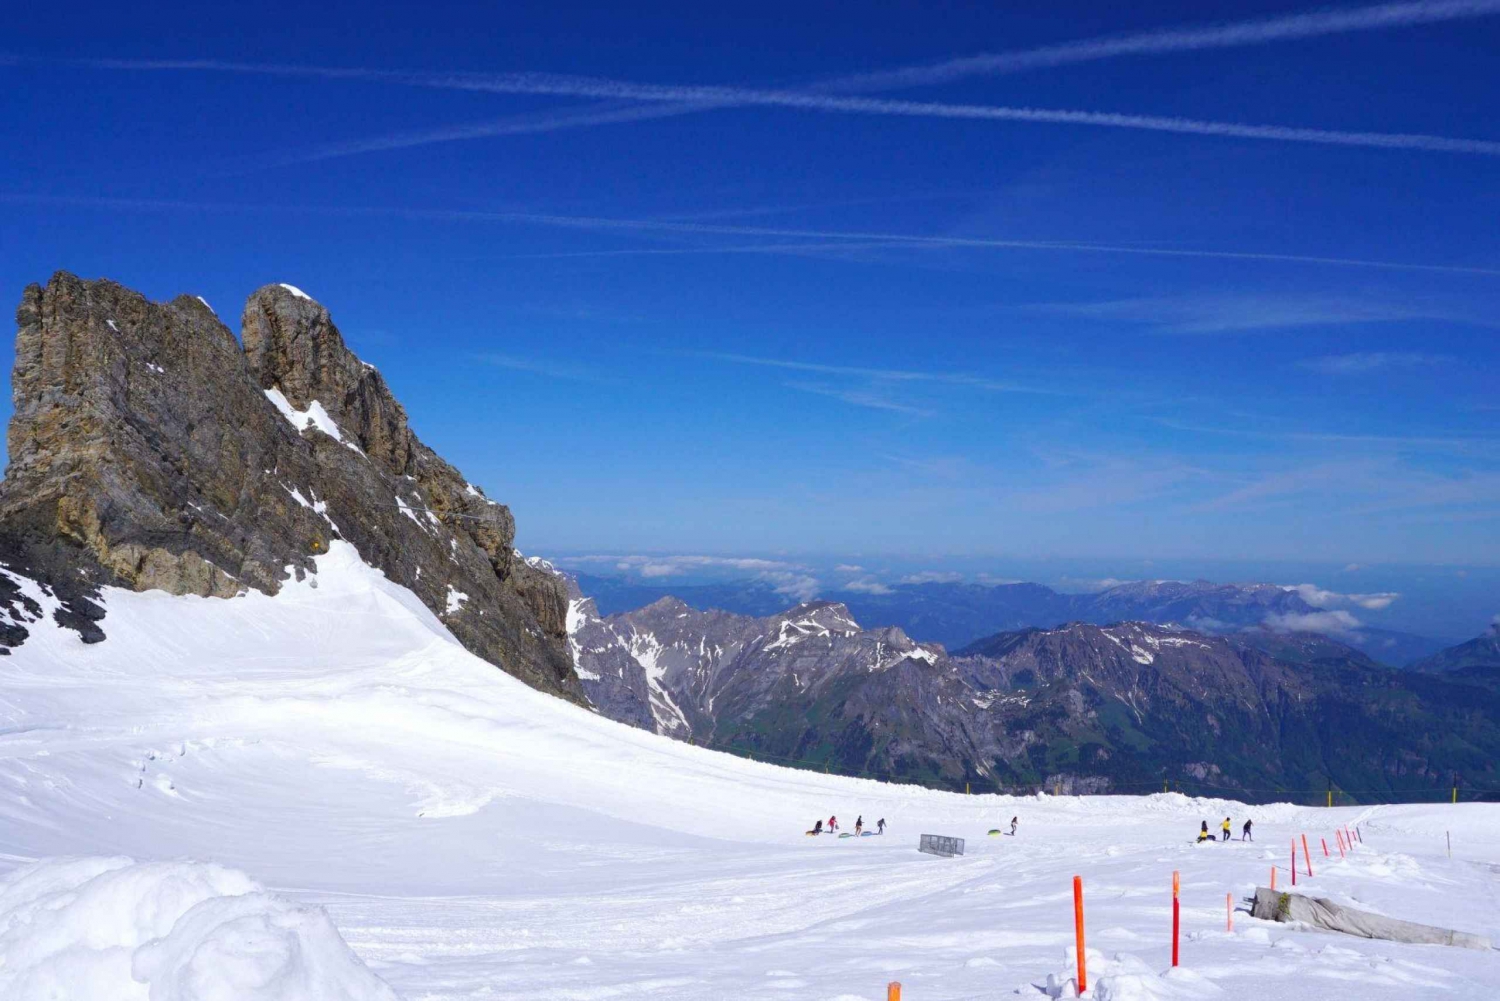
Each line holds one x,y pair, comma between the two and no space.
167,931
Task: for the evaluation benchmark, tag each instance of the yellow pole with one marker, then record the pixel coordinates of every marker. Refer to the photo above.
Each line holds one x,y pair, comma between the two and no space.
1455,794
1330,797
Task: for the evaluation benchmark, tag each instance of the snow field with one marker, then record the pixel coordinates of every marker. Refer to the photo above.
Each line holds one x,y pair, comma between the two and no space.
472,838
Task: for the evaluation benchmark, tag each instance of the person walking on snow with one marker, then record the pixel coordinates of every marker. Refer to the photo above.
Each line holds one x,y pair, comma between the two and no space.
833,824
859,824
818,827
1245,833
1225,828
1013,822
880,825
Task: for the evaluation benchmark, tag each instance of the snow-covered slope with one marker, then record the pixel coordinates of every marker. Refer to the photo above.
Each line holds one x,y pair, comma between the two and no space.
472,838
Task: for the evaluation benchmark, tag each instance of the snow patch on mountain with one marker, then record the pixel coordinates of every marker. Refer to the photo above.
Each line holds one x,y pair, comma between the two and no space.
315,416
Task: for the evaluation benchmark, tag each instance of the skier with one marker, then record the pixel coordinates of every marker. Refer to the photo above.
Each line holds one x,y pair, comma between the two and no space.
1245,833
859,824
818,827
1203,834
1225,827
833,824
880,825
1013,822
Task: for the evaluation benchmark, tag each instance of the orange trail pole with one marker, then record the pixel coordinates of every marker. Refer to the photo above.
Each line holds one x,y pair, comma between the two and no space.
1176,913
1229,911
1294,861
893,991
1340,838
1305,856
1325,846
1273,877
1083,972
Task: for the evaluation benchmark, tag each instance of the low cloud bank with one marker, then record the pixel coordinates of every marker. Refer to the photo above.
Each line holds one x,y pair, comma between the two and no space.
1320,598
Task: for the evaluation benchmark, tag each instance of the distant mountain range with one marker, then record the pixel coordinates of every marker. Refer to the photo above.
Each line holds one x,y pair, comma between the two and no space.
956,614
1481,654
1081,707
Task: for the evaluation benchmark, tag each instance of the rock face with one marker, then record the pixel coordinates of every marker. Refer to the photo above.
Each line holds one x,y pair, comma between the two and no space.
148,450
806,685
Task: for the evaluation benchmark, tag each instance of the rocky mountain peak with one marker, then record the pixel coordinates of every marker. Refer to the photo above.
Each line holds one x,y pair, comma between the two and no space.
148,450
293,347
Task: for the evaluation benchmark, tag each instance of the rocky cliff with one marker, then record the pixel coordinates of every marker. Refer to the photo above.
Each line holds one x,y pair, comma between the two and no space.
150,449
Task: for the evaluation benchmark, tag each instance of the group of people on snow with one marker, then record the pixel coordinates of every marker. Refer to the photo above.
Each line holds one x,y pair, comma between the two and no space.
859,826
1225,830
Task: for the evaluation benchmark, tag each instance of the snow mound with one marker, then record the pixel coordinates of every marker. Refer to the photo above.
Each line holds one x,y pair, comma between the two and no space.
167,931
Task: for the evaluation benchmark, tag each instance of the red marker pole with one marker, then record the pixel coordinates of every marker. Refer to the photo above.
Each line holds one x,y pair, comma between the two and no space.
1083,972
1340,838
1325,847
1229,911
1176,913
1305,856
1273,877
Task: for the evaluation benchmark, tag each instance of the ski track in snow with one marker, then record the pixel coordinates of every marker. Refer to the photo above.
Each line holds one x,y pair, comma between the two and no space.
472,838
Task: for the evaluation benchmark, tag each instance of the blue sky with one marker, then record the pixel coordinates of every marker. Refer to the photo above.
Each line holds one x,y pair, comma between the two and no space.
700,278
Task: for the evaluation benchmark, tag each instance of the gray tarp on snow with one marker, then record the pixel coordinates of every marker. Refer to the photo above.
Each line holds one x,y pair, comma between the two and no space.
1273,905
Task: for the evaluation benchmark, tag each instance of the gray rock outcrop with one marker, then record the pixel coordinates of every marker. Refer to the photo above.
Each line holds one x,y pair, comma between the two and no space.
149,450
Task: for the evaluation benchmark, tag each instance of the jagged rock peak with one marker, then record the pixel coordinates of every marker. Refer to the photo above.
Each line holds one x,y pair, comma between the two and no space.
293,347
148,450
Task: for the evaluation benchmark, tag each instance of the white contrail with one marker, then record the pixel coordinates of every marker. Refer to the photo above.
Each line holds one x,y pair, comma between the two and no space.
526,83
1236,34
602,114
651,225
717,96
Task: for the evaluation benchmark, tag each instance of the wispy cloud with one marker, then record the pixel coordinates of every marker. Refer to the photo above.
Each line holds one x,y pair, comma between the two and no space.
1161,41
878,374
1361,362
1236,34
1236,313
1089,584
604,224
867,585
1440,442
543,84
869,398
933,577
1337,624
1323,598
611,113
537,367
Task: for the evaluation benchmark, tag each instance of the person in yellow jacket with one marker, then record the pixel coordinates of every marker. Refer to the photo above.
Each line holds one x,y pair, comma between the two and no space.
1224,827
